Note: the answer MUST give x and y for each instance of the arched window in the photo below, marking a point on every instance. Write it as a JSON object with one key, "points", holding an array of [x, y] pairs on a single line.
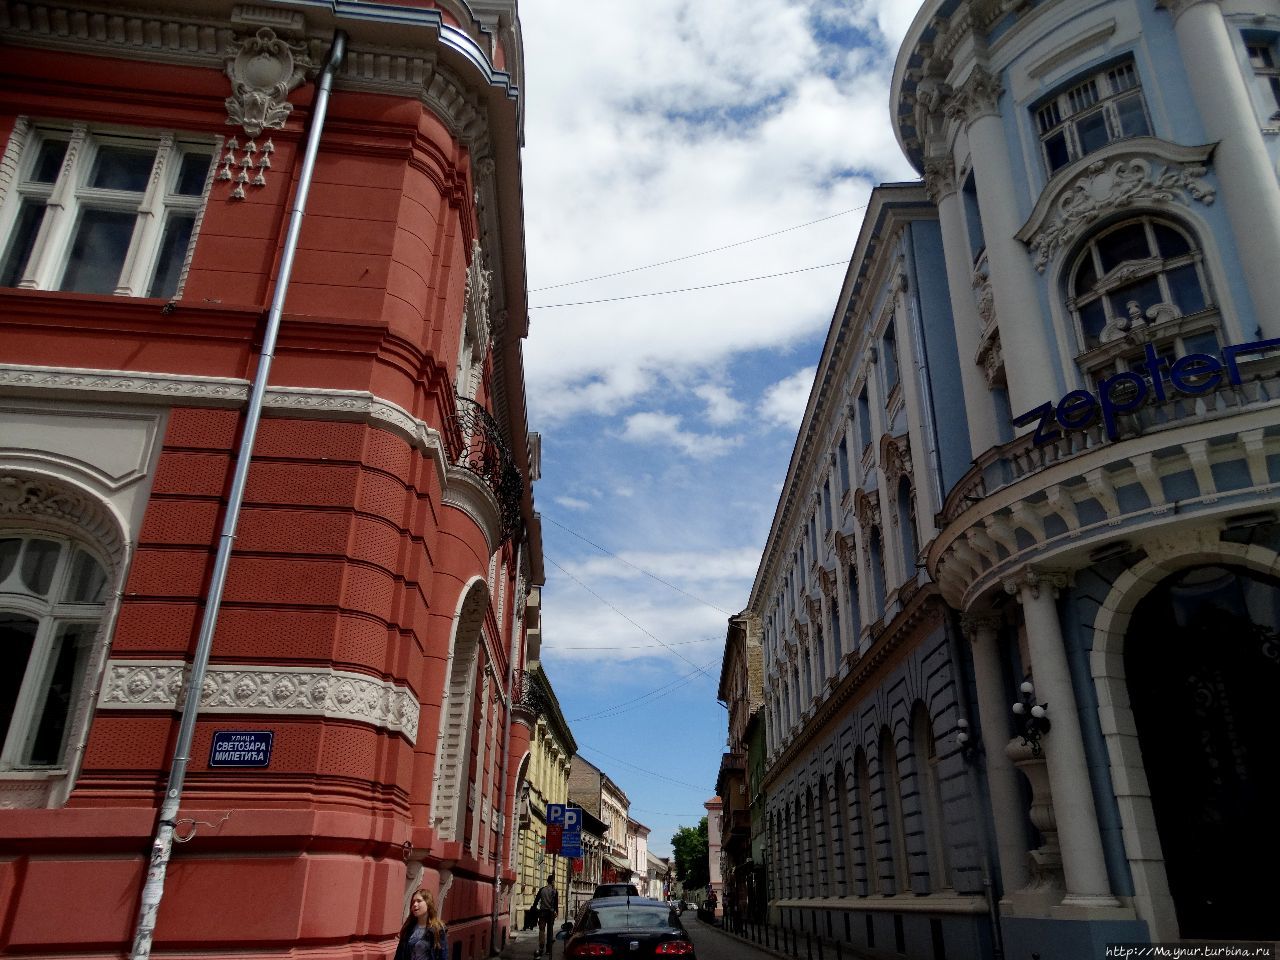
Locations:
{"points": [[866, 827], [891, 783], [52, 594], [855, 606], [455, 747], [875, 551], [840, 865], [907, 526], [822, 825], [1144, 274], [929, 784]]}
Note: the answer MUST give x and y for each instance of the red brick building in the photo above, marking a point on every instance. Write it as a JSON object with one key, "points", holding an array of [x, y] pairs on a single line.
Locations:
{"points": [[374, 612]]}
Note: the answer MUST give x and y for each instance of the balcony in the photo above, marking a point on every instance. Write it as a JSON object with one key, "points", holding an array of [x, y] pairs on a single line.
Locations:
{"points": [[484, 452], [1025, 502]]}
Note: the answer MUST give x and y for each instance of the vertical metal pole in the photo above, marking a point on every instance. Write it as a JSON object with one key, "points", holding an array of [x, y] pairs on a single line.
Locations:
{"points": [[162, 842]]}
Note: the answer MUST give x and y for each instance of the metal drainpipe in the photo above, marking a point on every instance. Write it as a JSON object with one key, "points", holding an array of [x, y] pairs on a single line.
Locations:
{"points": [[925, 381], [162, 842], [506, 758], [985, 840]]}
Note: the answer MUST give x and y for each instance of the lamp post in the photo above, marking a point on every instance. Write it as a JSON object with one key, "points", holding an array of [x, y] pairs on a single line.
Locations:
{"points": [[1032, 718]]}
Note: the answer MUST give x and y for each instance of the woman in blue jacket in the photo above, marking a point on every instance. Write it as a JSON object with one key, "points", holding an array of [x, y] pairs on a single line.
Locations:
{"points": [[423, 936]]}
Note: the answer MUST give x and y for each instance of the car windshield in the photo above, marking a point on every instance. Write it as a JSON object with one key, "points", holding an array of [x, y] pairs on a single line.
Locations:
{"points": [[623, 917]]}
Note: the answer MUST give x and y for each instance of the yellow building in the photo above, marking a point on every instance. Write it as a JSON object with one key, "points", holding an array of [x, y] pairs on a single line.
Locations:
{"points": [[544, 779]]}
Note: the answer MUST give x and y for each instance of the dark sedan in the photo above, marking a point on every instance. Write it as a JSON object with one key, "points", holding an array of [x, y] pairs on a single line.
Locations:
{"points": [[628, 927]]}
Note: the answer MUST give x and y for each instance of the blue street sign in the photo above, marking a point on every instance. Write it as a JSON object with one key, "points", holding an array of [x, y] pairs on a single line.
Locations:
{"points": [[241, 748], [568, 849], [555, 814], [572, 817]]}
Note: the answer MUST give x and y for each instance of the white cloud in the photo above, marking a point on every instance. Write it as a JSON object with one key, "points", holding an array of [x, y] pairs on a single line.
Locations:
{"points": [[671, 127], [572, 503], [783, 403], [722, 408], [655, 428]]}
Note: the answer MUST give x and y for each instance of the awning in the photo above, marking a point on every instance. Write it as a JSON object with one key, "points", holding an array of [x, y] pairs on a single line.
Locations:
{"points": [[618, 863]]}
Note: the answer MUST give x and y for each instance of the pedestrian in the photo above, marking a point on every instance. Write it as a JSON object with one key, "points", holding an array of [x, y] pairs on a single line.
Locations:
{"points": [[547, 905], [423, 936]]}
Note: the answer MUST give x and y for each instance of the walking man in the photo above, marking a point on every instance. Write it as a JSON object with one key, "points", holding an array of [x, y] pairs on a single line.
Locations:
{"points": [[547, 905]]}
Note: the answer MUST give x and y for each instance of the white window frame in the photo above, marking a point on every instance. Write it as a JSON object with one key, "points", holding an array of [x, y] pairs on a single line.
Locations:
{"points": [[1264, 60], [70, 195], [1104, 359], [50, 614], [1098, 92]]}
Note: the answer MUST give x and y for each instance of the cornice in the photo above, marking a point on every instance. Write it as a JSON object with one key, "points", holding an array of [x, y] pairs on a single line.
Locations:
{"points": [[264, 691], [184, 390]]}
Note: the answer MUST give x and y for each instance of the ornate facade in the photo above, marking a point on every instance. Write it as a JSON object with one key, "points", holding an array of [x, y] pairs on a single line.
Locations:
{"points": [[374, 616], [1020, 600]]}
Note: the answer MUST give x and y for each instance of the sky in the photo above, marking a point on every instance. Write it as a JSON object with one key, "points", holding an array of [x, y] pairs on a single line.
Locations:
{"points": [[655, 132]]}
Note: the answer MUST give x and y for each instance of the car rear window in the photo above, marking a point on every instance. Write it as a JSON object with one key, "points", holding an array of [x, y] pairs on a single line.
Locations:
{"points": [[623, 917]]}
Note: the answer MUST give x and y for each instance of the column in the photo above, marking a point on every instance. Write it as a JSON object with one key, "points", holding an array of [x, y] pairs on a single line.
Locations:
{"points": [[1246, 177], [1002, 778], [1084, 869], [1025, 337], [980, 406]]}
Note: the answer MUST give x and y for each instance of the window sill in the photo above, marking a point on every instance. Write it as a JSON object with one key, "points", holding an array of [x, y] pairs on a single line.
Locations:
{"points": [[1103, 357]]}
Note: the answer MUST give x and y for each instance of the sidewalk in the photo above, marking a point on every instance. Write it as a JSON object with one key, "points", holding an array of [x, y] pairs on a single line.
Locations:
{"points": [[523, 945]]}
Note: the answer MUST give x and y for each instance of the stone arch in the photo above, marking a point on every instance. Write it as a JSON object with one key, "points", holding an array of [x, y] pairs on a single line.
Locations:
{"points": [[1106, 661], [891, 784], [924, 755], [454, 746]]}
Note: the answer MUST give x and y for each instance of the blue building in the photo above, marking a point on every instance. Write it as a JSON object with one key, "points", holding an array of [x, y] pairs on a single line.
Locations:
{"points": [[1019, 605]]}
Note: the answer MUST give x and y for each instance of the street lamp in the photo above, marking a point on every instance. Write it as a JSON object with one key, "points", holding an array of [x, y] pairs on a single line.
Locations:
{"points": [[1032, 718]]}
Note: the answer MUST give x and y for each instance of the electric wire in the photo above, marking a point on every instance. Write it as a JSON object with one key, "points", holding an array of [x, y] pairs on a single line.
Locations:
{"points": [[705, 286], [635, 703], [638, 646], [700, 253], [651, 636], [651, 773], [633, 566]]}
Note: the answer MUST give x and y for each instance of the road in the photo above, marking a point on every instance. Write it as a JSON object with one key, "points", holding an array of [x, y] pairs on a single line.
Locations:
{"points": [[714, 945]]}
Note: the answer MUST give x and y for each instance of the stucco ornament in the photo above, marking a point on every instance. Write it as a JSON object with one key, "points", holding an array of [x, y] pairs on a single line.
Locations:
{"points": [[1110, 185], [263, 69]]}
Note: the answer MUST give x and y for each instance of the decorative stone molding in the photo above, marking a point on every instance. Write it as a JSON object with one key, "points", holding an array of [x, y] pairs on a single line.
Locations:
{"points": [[990, 358], [939, 177], [1178, 7], [24, 497], [866, 507], [973, 625], [13, 151], [469, 493], [1140, 171], [846, 549], [124, 385], [1032, 580], [270, 691], [977, 97], [983, 297], [895, 458], [263, 69]]}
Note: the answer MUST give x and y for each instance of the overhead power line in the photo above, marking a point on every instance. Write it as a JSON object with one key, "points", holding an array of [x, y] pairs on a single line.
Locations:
{"points": [[705, 286], [651, 636], [651, 773], [638, 646], [635, 703], [633, 566], [700, 253]]}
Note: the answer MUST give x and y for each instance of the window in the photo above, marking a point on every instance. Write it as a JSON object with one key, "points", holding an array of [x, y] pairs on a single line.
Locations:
{"points": [[99, 212], [973, 218], [864, 420], [890, 360], [826, 506], [1107, 106], [1140, 275], [1262, 58], [52, 593], [855, 605], [907, 526], [842, 466]]}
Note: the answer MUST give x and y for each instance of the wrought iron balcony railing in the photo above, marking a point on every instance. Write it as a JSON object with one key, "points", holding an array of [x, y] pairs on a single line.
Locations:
{"points": [[486, 454]]}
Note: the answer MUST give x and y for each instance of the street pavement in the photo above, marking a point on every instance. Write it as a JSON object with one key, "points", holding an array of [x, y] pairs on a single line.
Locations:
{"points": [[710, 942]]}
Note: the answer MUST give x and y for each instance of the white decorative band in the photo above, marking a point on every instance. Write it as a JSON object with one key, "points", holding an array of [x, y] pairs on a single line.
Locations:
{"points": [[178, 390], [273, 691]]}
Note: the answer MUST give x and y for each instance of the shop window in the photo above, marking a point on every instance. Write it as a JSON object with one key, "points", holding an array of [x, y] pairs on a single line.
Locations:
{"points": [[1140, 281], [1104, 107], [99, 212], [52, 593], [1265, 63]]}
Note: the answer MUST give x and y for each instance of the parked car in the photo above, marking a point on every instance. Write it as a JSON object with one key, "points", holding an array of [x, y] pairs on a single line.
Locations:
{"points": [[633, 927], [615, 890]]}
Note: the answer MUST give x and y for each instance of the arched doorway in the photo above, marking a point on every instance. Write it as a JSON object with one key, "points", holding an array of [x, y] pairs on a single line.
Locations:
{"points": [[1202, 657]]}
